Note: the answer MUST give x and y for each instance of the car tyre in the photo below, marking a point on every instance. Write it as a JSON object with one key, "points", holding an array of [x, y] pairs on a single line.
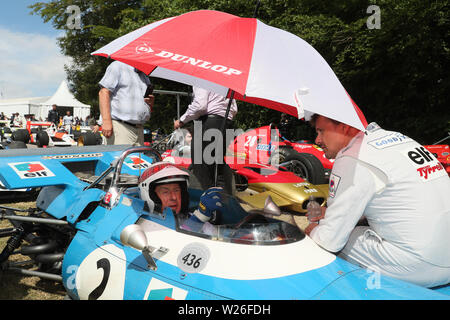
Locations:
{"points": [[304, 165], [42, 139], [89, 139], [14, 145], [21, 135]]}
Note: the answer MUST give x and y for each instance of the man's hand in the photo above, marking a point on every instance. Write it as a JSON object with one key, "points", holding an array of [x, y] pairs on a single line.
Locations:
{"points": [[104, 98], [315, 221], [310, 228], [210, 201], [107, 128], [150, 100], [177, 124]]}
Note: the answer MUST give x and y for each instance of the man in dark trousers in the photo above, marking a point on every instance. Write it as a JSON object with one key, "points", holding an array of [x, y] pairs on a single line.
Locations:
{"points": [[53, 115], [209, 108]]}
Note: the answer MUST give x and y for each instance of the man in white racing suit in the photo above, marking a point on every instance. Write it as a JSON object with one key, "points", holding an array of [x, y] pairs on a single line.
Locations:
{"points": [[402, 191]]}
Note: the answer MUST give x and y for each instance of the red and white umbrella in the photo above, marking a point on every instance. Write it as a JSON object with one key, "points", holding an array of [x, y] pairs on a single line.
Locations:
{"points": [[225, 53]]}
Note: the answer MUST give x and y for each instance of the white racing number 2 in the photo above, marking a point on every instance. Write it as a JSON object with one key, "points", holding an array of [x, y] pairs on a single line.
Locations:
{"points": [[193, 258]]}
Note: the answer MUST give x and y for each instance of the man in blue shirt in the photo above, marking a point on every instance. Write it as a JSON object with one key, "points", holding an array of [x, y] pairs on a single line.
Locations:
{"points": [[123, 107]]}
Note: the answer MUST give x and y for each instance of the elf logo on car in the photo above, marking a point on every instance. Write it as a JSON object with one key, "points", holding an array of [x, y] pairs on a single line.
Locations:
{"points": [[427, 166], [160, 290], [30, 170], [136, 163], [145, 49]]}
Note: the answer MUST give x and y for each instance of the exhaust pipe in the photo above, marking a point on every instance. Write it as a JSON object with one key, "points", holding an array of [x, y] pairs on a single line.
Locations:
{"points": [[38, 249], [49, 257]]}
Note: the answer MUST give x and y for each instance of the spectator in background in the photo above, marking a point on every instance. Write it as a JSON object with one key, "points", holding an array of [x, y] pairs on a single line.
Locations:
{"points": [[123, 107], [68, 122], [286, 126], [53, 115], [11, 120], [209, 108], [18, 120]]}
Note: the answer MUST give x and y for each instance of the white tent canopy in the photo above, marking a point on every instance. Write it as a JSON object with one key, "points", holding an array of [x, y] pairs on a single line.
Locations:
{"points": [[21, 105], [64, 98], [40, 106]]}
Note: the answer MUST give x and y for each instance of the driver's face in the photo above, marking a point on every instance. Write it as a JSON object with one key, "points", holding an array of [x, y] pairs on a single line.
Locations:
{"points": [[330, 136], [170, 196]]}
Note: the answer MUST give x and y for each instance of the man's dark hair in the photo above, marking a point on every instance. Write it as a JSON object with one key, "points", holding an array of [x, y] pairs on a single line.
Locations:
{"points": [[314, 117]]}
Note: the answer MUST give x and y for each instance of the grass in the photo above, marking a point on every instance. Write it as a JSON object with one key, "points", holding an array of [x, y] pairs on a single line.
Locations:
{"points": [[20, 287]]}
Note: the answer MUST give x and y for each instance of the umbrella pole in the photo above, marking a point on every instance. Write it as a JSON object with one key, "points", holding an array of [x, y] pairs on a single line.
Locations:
{"points": [[255, 13], [224, 123]]}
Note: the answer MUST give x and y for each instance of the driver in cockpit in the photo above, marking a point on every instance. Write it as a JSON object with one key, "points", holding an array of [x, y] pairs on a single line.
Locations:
{"points": [[164, 185]]}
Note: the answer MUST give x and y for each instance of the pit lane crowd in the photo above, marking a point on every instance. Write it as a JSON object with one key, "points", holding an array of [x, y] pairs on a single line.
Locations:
{"points": [[19, 121]]}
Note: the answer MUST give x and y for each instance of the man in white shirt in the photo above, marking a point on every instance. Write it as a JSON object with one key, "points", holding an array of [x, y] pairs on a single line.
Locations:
{"points": [[209, 108], [68, 122], [402, 191], [123, 107]]}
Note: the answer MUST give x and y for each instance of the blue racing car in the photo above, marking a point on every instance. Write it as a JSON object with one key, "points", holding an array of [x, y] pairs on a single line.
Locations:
{"points": [[92, 231]]}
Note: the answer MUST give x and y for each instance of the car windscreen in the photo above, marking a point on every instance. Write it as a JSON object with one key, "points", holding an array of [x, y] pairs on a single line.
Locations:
{"points": [[271, 232], [236, 225]]}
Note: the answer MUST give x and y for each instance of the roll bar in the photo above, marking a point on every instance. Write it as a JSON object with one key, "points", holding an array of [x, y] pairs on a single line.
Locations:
{"points": [[116, 165]]}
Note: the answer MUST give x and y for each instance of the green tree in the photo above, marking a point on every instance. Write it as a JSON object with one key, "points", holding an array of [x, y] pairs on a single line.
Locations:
{"points": [[397, 74]]}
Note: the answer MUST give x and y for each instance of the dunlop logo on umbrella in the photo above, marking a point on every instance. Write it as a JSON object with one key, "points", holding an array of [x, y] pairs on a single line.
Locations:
{"points": [[145, 48]]}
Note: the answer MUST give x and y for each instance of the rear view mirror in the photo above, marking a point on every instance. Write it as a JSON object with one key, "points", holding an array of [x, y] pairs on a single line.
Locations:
{"points": [[270, 208], [134, 236]]}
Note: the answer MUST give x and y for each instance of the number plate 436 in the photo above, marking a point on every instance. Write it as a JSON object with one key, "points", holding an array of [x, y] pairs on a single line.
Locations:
{"points": [[193, 258]]}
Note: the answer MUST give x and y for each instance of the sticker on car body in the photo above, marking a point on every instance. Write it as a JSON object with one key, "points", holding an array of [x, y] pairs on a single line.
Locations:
{"points": [[193, 258], [31, 170], [160, 290], [73, 156], [136, 163]]}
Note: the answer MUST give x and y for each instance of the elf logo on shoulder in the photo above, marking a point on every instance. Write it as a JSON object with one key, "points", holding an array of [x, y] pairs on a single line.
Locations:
{"points": [[31, 170], [427, 166]]}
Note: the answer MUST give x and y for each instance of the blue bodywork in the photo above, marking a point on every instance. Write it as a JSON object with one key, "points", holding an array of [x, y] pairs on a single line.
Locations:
{"points": [[97, 265]]}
